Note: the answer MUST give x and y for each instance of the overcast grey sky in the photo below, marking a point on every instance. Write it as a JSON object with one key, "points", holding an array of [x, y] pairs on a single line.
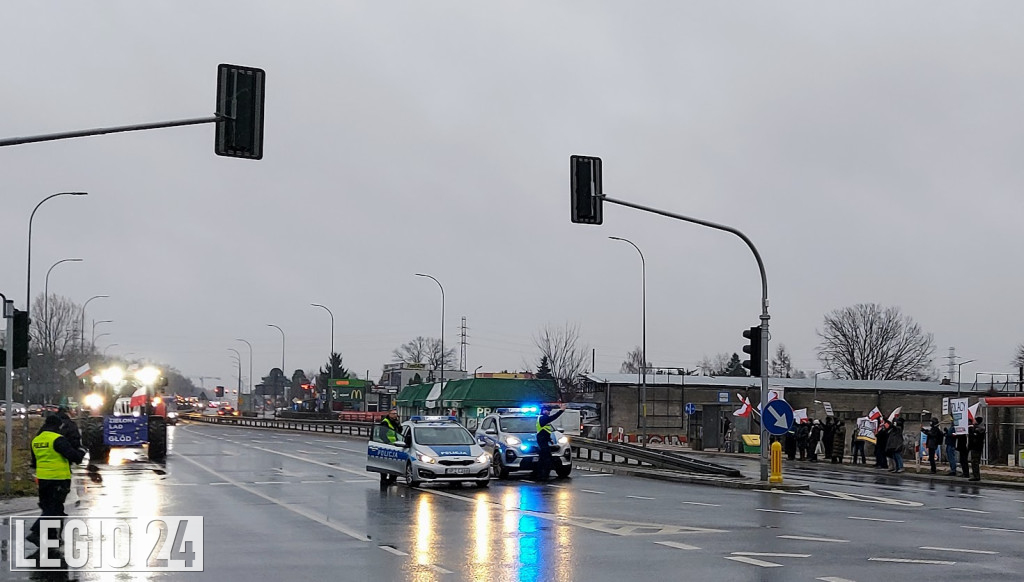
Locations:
{"points": [[872, 151]]}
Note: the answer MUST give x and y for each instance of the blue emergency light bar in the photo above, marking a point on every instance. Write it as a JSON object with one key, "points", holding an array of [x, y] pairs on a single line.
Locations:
{"points": [[522, 409], [433, 418]]}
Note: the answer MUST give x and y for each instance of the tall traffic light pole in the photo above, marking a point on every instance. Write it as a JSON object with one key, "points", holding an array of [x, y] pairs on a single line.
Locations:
{"points": [[8, 313], [586, 202]]}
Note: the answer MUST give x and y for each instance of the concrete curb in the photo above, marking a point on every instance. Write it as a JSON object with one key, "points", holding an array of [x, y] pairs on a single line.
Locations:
{"points": [[677, 477], [940, 477]]}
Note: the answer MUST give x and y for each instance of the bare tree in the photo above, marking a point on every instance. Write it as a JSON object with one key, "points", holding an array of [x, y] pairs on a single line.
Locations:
{"points": [[869, 342], [55, 348], [633, 362], [424, 350], [434, 355], [415, 351], [782, 363], [1018, 358], [716, 365], [565, 353]]}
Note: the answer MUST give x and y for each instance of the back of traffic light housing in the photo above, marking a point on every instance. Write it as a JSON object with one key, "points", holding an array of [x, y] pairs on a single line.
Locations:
{"points": [[585, 190], [21, 322], [753, 335]]}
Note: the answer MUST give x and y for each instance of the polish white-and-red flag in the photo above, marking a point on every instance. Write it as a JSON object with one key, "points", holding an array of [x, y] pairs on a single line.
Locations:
{"points": [[745, 409], [875, 413], [138, 397], [972, 411], [895, 414]]}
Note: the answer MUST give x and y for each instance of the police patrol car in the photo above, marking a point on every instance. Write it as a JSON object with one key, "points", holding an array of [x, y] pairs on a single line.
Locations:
{"points": [[429, 449], [509, 436]]}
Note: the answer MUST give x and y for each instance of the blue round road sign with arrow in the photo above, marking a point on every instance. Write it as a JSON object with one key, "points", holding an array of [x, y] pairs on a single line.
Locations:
{"points": [[777, 417], [690, 408]]}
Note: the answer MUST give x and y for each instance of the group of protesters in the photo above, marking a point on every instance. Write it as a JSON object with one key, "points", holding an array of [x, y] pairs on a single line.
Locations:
{"points": [[811, 439]]}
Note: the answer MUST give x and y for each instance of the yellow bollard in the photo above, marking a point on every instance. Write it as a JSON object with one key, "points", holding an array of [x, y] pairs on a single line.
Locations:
{"points": [[775, 473]]}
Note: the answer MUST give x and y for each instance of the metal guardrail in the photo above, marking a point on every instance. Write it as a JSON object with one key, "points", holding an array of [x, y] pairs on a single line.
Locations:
{"points": [[351, 428], [584, 448]]}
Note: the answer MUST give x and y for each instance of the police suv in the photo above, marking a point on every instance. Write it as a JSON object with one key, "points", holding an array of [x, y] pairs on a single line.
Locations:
{"points": [[434, 449], [509, 436]]}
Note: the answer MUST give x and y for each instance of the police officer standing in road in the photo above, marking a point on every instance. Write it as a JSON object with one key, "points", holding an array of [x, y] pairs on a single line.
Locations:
{"points": [[544, 432], [52, 456], [390, 424]]}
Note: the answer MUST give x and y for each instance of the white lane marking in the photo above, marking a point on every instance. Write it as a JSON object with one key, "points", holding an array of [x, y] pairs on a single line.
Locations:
{"points": [[814, 539], [876, 519], [438, 569], [771, 555], [555, 486], [966, 551], [298, 458], [528, 481], [322, 481], [992, 529], [847, 497], [342, 449], [360, 480], [968, 510], [909, 561], [753, 562], [592, 491], [777, 511], [702, 504], [678, 545], [220, 483], [833, 579], [289, 506], [392, 550], [270, 482], [595, 475], [640, 497]]}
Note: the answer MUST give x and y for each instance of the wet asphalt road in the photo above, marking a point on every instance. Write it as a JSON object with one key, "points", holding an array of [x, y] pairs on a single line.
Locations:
{"points": [[282, 505]]}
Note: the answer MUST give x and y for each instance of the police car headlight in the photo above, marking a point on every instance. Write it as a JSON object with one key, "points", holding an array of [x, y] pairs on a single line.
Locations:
{"points": [[482, 458], [563, 440], [427, 459], [512, 441]]}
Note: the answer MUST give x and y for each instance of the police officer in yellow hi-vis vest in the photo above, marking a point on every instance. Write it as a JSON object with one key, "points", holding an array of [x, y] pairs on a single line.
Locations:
{"points": [[544, 431], [52, 455], [389, 426]]}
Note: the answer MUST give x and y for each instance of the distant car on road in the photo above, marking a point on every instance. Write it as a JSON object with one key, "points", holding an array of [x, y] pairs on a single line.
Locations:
{"points": [[226, 411], [509, 436], [36, 409], [18, 410], [433, 449]]}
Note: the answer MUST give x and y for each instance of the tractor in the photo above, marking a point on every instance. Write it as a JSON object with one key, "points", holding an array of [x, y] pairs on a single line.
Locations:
{"points": [[124, 409]]}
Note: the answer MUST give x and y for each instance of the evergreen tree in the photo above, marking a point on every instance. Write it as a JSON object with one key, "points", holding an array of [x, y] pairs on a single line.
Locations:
{"points": [[544, 370], [735, 366]]}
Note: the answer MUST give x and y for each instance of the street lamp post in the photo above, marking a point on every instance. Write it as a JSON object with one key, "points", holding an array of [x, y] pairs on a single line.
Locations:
{"points": [[477, 370], [94, 324], [238, 339], [958, 376], [239, 388], [643, 349], [81, 344], [816, 383], [28, 276], [46, 291], [107, 348], [330, 393], [282, 364], [442, 320]]}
